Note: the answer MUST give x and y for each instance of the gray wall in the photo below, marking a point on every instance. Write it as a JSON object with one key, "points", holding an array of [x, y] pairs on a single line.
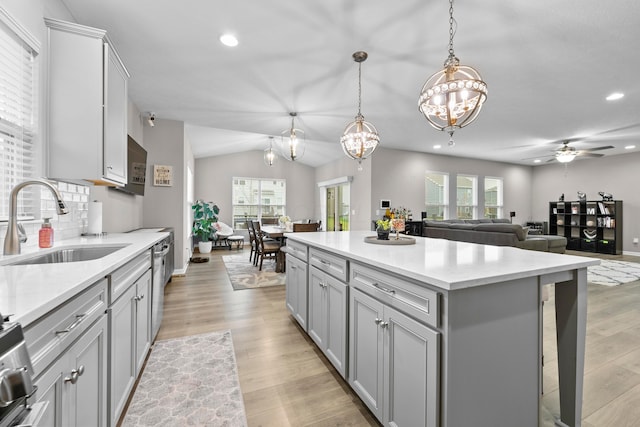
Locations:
{"points": [[618, 175], [213, 177], [398, 176]]}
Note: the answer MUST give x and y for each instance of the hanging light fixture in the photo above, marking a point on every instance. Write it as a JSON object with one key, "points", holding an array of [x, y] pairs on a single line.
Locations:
{"points": [[452, 98], [566, 154], [269, 154], [292, 141], [359, 139]]}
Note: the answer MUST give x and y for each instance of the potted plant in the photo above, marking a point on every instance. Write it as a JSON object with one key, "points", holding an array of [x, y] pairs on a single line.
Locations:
{"points": [[205, 214], [383, 228]]}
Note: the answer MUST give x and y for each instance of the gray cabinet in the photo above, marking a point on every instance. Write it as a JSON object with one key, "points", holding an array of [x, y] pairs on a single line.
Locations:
{"points": [[328, 316], [129, 339], [87, 106], [75, 385], [296, 289], [394, 363]]}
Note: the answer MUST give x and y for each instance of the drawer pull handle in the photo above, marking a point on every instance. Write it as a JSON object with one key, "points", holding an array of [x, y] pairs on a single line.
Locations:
{"points": [[293, 267], [79, 319], [139, 297], [325, 262], [383, 289], [322, 285]]}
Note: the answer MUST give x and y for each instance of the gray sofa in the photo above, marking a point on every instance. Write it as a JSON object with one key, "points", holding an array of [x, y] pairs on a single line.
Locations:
{"points": [[497, 232]]}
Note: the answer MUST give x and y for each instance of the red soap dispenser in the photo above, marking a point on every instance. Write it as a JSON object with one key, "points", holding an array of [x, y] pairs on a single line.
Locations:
{"points": [[45, 236]]}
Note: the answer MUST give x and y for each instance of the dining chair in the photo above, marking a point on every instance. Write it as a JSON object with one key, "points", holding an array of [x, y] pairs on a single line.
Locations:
{"points": [[313, 226], [266, 248], [252, 240]]}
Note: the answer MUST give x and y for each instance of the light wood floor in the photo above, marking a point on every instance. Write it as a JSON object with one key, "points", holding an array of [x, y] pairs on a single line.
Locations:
{"points": [[286, 381]]}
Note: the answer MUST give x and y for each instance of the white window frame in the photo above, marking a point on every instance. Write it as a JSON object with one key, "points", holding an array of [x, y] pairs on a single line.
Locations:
{"points": [[444, 205], [237, 222], [473, 206], [499, 205], [19, 145]]}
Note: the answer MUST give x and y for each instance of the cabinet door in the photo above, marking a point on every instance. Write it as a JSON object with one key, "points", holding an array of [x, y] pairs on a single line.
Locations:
{"points": [[296, 283], [50, 386], [336, 323], [122, 315], [366, 350], [317, 327], [143, 318], [88, 396], [411, 372], [115, 118]]}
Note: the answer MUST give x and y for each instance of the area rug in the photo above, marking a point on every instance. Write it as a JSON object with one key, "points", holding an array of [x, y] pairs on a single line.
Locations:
{"points": [[244, 275], [189, 381], [613, 273]]}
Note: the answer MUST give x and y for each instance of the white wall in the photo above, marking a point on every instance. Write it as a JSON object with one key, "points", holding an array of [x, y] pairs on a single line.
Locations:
{"points": [[213, 178], [399, 176], [617, 175]]}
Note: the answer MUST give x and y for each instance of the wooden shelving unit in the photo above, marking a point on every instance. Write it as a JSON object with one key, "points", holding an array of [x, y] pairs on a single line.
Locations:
{"points": [[592, 226]]}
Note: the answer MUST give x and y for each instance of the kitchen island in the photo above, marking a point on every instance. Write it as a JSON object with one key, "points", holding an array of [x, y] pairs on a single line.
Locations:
{"points": [[440, 333]]}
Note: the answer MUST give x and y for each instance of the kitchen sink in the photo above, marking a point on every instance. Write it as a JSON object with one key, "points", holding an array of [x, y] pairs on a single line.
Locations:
{"points": [[83, 253]]}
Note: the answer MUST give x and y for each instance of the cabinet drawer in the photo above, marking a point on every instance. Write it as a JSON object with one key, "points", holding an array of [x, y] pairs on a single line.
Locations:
{"points": [[50, 335], [417, 301], [335, 266], [297, 250], [126, 275]]}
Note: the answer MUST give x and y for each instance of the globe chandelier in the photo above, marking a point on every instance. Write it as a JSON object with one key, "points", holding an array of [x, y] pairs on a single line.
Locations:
{"points": [[452, 98], [292, 141], [269, 154], [359, 139]]}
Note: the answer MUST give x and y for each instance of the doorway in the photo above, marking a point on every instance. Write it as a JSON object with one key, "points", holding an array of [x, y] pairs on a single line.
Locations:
{"points": [[335, 203]]}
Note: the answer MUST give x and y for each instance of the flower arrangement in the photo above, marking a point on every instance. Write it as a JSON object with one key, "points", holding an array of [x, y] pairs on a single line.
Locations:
{"points": [[383, 224], [283, 219]]}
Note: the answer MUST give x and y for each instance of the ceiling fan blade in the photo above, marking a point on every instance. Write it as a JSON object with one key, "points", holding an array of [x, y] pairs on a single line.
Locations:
{"points": [[588, 154], [551, 160], [606, 147]]}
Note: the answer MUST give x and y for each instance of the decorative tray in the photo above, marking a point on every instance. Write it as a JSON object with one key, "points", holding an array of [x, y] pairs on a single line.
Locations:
{"points": [[402, 240]]}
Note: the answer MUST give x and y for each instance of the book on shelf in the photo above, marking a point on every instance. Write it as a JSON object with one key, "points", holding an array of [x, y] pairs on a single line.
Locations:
{"points": [[601, 208]]}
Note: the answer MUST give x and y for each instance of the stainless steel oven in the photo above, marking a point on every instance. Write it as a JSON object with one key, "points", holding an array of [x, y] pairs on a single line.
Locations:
{"points": [[16, 385]]}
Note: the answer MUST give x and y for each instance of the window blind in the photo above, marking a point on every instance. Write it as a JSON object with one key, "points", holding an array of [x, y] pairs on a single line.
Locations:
{"points": [[18, 101]]}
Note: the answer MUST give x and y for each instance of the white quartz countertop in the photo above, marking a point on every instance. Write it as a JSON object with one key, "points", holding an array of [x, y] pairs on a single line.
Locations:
{"points": [[29, 291], [447, 264]]}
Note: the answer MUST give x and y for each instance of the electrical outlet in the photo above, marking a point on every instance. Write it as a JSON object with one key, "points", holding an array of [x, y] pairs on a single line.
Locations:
{"points": [[635, 240]]}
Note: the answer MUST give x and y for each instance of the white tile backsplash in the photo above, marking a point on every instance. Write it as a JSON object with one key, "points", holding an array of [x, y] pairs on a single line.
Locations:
{"points": [[64, 226]]}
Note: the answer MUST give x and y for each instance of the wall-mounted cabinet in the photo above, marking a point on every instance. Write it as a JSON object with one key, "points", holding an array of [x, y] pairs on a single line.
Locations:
{"points": [[86, 106], [592, 226]]}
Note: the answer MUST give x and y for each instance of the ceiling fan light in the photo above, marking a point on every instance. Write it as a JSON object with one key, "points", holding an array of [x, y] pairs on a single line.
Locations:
{"points": [[566, 156]]}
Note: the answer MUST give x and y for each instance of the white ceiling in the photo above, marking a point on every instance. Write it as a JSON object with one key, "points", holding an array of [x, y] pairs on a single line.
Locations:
{"points": [[549, 66]]}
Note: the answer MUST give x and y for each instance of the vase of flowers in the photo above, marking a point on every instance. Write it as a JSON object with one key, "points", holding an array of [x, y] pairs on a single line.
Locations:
{"points": [[283, 220], [383, 228], [398, 217]]}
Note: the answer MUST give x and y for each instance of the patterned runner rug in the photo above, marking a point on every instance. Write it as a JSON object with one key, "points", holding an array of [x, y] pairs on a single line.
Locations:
{"points": [[189, 381], [244, 275], [613, 273]]}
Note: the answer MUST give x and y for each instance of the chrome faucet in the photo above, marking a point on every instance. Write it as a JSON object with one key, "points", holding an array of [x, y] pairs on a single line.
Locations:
{"points": [[13, 238]]}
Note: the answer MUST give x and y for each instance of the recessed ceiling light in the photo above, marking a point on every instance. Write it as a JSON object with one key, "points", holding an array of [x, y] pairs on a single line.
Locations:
{"points": [[437, 147], [537, 161], [615, 96], [229, 40], [629, 147]]}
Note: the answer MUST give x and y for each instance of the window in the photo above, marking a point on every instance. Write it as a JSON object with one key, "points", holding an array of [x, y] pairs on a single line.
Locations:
{"points": [[437, 195], [18, 105], [466, 196], [493, 198], [264, 200]]}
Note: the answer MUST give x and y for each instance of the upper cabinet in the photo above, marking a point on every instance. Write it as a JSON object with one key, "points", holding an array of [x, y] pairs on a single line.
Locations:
{"points": [[86, 106]]}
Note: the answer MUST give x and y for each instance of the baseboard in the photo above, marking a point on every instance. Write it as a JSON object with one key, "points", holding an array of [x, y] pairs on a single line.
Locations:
{"points": [[631, 253]]}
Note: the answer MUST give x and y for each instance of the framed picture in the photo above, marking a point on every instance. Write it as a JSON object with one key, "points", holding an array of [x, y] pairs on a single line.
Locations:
{"points": [[162, 176]]}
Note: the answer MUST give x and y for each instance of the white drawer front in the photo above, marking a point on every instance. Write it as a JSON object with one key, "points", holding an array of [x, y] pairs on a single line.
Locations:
{"points": [[415, 300], [126, 275], [331, 264], [50, 335], [297, 250]]}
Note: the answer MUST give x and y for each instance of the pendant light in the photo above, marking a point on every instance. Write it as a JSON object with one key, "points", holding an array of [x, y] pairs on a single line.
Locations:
{"points": [[452, 98], [292, 141], [269, 154], [359, 139]]}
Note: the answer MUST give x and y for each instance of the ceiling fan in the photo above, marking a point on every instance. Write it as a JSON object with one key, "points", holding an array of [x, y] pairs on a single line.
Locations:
{"points": [[566, 153]]}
